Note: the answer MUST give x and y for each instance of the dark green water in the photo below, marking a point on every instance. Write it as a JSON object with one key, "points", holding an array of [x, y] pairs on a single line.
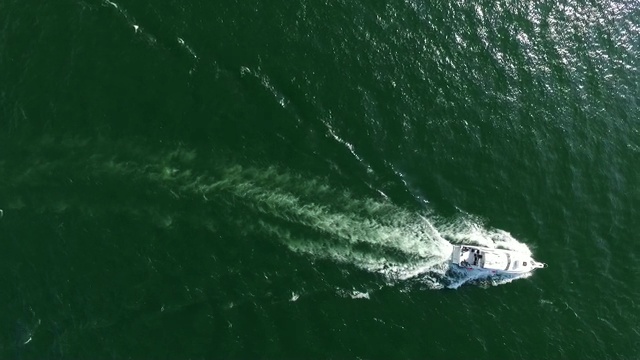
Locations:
{"points": [[240, 179]]}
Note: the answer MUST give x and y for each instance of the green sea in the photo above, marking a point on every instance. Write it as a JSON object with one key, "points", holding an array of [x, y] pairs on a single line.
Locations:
{"points": [[285, 179]]}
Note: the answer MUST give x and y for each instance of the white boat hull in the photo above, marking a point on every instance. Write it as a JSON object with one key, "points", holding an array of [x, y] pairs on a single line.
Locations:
{"points": [[496, 261]]}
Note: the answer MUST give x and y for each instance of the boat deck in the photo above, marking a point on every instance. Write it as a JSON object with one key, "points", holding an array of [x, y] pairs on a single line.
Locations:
{"points": [[470, 256]]}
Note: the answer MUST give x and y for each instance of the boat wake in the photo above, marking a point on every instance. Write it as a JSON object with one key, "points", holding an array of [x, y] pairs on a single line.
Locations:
{"points": [[311, 218], [307, 216]]}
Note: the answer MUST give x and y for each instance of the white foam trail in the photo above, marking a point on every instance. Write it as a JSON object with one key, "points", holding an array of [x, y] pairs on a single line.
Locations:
{"points": [[373, 235], [370, 259], [345, 223]]}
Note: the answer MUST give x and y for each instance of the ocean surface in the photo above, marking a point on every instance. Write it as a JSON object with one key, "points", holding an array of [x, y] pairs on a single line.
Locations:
{"points": [[285, 179]]}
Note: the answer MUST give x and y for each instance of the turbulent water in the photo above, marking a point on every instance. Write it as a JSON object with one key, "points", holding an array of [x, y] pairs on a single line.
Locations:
{"points": [[257, 180]]}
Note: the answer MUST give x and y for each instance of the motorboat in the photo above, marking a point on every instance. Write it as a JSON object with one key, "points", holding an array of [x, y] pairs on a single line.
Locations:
{"points": [[496, 261]]}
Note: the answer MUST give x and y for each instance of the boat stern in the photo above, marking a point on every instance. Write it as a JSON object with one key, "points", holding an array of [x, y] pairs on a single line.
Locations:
{"points": [[455, 255]]}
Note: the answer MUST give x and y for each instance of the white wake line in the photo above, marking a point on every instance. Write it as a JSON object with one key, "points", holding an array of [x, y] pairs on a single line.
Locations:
{"points": [[343, 142], [267, 84], [140, 30], [348, 146]]}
